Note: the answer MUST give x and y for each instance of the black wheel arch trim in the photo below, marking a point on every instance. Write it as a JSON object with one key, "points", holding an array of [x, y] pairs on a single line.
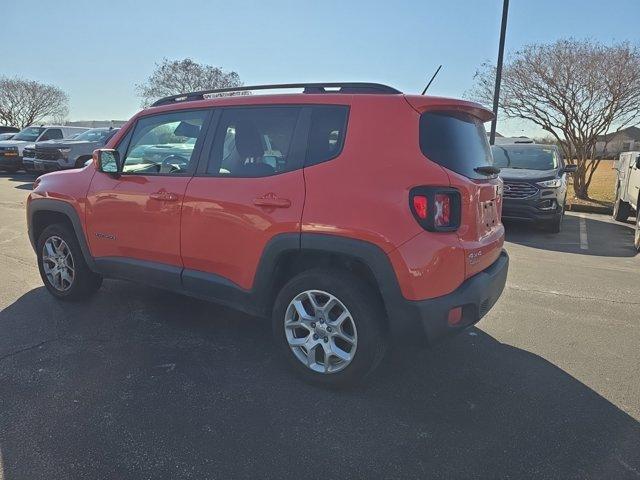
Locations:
{"points": [[65, 208]]}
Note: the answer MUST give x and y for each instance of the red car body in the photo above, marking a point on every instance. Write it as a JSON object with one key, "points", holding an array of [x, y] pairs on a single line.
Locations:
{"points": [[200, 225]]}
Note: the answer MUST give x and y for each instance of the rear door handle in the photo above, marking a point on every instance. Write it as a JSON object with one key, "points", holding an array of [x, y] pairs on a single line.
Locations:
{"points": [[272, 200], [164, 196]]}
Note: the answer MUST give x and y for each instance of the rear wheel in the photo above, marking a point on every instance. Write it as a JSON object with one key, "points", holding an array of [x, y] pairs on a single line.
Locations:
{"points": [[621, 210], [329, 327], [62, 266]]}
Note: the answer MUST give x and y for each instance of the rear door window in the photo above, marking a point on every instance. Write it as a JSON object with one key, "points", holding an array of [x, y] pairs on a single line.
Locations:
{"points": [[326, 133], [455, 140]]}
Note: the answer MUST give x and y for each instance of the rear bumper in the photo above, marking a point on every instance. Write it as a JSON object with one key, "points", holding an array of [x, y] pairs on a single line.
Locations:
{"points": [[428, 319]]}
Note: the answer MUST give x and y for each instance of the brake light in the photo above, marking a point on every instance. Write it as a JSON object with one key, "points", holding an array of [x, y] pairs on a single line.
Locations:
{"points": [[436, 209], [420, 206]]}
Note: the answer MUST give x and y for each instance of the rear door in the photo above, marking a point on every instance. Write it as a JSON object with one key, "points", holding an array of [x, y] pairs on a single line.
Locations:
{"points": [[457, 141], [133, 219], [248, 190]]}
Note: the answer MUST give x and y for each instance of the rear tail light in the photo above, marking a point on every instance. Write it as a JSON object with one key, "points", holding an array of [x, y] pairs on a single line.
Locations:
{"points": [[420, 204], [436, 209]]}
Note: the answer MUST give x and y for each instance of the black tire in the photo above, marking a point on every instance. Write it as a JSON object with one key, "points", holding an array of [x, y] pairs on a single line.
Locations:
{"points": [[367, 313], [80, 162], [621, 210], [555, 225], [85, 282]]}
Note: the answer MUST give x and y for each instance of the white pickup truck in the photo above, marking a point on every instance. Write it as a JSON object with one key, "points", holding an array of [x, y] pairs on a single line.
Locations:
{"points": [[628, 191]]}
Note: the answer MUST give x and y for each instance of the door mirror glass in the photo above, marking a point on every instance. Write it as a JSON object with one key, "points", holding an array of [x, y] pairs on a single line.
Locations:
{"points": [[570, 168], [108, 161], [638, 162]]}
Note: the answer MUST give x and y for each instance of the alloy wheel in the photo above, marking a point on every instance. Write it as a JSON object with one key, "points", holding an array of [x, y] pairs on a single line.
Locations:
{"points": [[58, 264], [320, 331]]}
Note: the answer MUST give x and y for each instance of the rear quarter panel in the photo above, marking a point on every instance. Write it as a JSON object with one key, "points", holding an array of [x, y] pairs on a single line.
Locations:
{"points": [[364, 192]]}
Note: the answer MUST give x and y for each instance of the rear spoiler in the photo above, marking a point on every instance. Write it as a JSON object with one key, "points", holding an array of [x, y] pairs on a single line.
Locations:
{"points": [[423, 103]]}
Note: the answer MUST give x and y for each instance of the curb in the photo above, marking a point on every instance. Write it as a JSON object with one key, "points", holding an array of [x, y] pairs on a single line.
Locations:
{"points": [[590, 209]]}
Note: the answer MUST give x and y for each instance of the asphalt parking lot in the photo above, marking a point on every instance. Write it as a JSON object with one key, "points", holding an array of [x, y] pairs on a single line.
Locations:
{"points": [[140, 383]]}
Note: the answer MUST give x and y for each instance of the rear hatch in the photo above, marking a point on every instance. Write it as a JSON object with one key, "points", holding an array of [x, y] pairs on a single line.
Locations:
{"points": [[453, 136]]}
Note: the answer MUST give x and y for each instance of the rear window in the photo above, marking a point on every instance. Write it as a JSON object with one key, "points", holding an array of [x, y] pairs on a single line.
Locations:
{"points": [[456, 141], [326, 135]]}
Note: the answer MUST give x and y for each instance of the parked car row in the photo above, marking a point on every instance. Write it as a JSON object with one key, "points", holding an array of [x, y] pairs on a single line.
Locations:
{"points": [[46, 148]]}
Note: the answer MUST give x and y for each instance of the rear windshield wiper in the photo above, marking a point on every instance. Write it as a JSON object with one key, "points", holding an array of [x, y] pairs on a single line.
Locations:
{"points": [[487, 170]]}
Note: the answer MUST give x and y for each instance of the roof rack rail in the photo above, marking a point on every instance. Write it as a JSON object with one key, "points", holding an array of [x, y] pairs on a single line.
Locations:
{"points": [[342, 87]]}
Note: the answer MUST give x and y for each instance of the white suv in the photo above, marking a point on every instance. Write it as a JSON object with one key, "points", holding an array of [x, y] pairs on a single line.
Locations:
{"points": [[628, 190]]}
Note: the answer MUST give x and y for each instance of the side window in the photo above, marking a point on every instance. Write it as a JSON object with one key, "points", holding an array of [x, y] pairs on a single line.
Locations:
{"points": [[164, 143], [254, 142], [51, 134], [326, 134]]}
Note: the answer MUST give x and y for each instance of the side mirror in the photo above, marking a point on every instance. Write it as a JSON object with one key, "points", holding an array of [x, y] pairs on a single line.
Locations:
{"points": [[107, 161], [570, 168], [638, 162]]}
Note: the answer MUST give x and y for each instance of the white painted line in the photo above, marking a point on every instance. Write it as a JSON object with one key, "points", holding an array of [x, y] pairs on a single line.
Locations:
{"points": [[584, 241]]}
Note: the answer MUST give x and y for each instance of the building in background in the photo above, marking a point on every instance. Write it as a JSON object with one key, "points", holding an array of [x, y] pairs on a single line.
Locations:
{"points": [[612, 144]]}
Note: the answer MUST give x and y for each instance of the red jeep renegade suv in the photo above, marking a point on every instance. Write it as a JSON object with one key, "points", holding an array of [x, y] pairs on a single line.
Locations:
{"points": [[349, 214]]}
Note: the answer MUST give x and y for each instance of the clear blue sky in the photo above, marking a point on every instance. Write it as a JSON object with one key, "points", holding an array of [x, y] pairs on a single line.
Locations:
{"points": [[98, 50]]}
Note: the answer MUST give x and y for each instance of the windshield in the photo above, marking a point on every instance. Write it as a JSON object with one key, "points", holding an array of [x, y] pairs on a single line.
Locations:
{"points": [[94, 135], [29, 134], [529, 158]]}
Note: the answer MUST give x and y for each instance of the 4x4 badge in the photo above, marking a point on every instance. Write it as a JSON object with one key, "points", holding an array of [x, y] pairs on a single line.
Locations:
{"points": [[107, 236]]}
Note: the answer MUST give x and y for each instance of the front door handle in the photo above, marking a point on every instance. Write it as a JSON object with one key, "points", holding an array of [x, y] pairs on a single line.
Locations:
{"points": [[164, 196], [272, 200]]}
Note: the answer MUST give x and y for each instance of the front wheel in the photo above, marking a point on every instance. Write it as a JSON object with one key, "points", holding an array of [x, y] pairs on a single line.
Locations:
{"points": [[62, 265], [330, 327]]}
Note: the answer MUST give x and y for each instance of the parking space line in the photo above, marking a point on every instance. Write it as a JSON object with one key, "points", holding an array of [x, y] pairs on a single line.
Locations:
{"points": [[584, 241]]}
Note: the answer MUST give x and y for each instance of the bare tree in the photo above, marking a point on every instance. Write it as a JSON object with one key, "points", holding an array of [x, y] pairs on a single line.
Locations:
{"points": [[575, 90], [24, 102], [171, 77]]}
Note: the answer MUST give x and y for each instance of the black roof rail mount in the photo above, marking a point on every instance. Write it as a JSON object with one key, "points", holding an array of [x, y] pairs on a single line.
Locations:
{"points": [[336, 87]]}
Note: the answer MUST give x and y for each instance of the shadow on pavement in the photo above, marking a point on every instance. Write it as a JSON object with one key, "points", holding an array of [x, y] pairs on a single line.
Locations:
{"points": [[25, 179], [603, 237], [141, 383]]}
